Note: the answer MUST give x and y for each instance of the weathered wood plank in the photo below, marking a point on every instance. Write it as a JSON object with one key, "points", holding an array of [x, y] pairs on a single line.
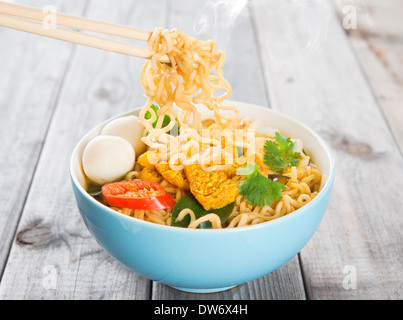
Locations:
{"points": [[313, 75], [54, 256], [377, 38], [31, 75]]}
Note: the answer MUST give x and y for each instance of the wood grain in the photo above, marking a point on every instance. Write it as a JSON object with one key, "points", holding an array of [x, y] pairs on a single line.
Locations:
{"points": [[294, 57], [51, 234], [378, 43], [313, 75], [93, 92], [29, 89]]}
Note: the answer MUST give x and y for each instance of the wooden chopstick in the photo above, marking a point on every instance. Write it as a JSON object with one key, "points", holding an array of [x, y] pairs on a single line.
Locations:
{"points": [[75, 22], [74, 37], [15, 17]]}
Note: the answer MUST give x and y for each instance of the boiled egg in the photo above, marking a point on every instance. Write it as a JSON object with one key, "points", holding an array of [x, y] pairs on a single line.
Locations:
{"points": [[107, 158]]}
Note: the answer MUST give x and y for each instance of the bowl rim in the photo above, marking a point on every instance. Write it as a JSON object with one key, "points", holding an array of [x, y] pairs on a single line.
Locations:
{"points": [[325, 188]]}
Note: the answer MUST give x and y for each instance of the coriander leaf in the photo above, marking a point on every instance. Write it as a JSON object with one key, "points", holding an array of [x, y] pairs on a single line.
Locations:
{"points": [[258, 189], [279, 155]]}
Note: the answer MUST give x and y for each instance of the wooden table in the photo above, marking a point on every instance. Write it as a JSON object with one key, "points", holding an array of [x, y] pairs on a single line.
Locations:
{"points": [[312, 60]]}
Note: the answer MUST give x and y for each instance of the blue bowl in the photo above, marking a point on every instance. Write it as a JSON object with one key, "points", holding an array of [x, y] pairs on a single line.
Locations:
{"points": [[206, 260]]}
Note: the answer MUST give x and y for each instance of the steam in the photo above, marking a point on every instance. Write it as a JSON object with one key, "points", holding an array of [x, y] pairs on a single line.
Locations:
{"points": [[281, 41], [216, 20]]}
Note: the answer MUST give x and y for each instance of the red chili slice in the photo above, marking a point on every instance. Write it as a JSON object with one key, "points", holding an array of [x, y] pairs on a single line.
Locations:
{"points": [[137, 194]]}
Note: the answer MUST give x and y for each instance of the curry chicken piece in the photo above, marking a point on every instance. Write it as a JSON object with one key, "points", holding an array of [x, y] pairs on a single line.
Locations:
{"points": [[213, 189], [175, 177], [152, 169], [148, 174], [148, 159]]}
